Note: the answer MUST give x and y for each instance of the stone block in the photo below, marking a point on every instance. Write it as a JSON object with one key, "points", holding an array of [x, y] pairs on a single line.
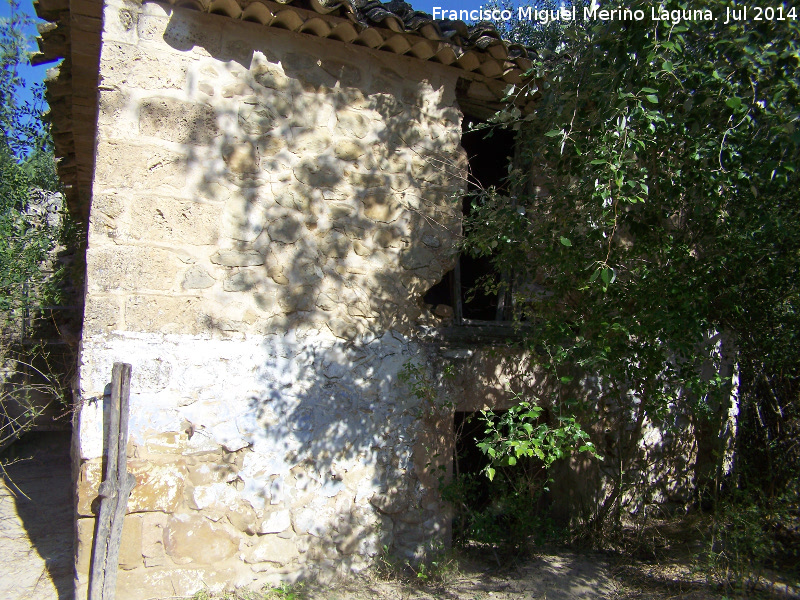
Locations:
{"points": [[293, 199], [380, 206], [362, 181], [389, 237], [272, 549], [130, 550], [417, 257], [243, 518], [171, 221], [343, 329], [311, 142], [277, 275], [362, 249], [84, 539], [163, 314], [241, 158], [125, 66], [131, 268], [101, 314], [153, 525], [391, 502], [256, 120], [192, 538], [178, 121], [139, 167], [318, 174], [158, 487]]}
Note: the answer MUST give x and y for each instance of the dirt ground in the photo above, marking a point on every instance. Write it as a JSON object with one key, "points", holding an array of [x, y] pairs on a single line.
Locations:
{"points": [[36, 520], [550, 574], [36, 556]]}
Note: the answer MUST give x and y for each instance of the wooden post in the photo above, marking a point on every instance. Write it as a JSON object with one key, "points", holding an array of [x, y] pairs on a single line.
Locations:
{"points": [[114, 491]]}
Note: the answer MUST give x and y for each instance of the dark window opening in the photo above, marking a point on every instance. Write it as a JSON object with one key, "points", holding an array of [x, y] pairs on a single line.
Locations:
{"points": [[463, 289]]}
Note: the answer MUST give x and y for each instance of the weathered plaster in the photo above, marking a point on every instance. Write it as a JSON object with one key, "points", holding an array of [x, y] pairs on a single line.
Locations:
{"points": [[268, 210]]}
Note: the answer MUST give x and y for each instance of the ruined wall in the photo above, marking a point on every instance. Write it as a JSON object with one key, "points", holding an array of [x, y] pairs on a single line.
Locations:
{"points": [[268, 209]]}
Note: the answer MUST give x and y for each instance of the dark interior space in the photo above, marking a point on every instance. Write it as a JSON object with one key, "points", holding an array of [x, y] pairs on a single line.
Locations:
{"points": [[489, 152]]}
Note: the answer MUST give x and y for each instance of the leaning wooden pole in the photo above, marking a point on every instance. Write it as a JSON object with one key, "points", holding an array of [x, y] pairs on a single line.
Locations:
{"points": [[114, 491]]}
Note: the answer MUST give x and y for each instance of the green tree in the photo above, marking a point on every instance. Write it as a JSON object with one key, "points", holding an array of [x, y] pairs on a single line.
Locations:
{"points": [[26, 163], [651, 228]]}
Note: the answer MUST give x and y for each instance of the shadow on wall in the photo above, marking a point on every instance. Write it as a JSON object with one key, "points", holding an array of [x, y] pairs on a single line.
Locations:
{"points": [[294, 210]]}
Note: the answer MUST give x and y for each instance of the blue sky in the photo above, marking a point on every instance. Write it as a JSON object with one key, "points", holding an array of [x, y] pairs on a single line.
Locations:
{"points": [[30, 74]]}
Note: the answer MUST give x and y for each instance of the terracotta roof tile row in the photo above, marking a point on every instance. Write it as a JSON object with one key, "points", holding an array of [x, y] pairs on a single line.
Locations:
{"points": [[392, 26]]}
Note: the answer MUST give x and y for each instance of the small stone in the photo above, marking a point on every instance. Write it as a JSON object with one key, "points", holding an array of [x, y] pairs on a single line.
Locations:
{"points": [[286, 230], [343, 329], [361, 249], [197, 278], [276, 274], [234, 258], [444, 311], [276, 522], [416, 258], [240, 282], [334, 245], [348, 150], [390, 502], [431, 241]]}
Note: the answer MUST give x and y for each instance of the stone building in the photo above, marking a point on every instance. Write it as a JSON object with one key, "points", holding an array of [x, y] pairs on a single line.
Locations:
{"points": [[269, 191]]}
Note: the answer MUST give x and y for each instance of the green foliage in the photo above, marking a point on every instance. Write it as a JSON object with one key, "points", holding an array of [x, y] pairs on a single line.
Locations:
{"points": [[285, 591], [519, 433], [747, 537], [437, 567], [26, 162], [508, 516], [650, 226]]}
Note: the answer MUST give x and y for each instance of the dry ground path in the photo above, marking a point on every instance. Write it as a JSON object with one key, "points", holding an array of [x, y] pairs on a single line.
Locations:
{"points": [[36, 532]]}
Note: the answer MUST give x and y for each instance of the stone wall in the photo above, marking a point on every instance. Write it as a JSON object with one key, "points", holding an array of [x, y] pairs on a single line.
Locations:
{"points": [[268, 210]]}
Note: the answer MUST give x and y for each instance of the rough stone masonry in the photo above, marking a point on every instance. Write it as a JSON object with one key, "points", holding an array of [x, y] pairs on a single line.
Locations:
{"points": [[268, 210]]}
